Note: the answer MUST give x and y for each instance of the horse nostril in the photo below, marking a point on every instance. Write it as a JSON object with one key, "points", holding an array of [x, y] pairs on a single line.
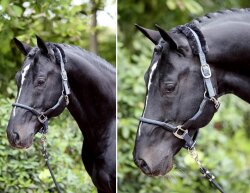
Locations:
{"points": [[17, 137], [144, 166]]}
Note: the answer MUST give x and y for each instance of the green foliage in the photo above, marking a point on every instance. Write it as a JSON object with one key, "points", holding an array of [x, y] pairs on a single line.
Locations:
{"points": [[56, 21], [223, 145]]}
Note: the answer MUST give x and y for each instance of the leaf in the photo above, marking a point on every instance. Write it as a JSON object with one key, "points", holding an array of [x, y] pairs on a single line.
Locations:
{"points": [[4, 4], [17, 10], [193, 7], [44, 174], [171, 4]]}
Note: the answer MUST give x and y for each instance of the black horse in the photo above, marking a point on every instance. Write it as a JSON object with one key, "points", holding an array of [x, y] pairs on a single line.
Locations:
{"points": [[179, 93], [42, 86]]}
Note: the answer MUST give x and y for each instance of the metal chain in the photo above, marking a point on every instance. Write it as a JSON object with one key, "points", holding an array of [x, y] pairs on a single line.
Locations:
{"points": [[194, 154], [43, 143]]}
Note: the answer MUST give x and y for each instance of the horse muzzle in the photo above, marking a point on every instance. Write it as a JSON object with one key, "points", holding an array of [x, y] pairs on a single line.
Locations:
{"points": [[20, 136], [154, 167]]}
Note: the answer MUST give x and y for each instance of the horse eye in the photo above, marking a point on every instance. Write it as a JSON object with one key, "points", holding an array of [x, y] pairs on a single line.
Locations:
{"points": [[168, 88], [40, 82]]}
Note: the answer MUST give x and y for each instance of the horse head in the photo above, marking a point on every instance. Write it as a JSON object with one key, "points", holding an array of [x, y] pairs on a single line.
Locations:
{"points": [[174, 93], [39, 83]]}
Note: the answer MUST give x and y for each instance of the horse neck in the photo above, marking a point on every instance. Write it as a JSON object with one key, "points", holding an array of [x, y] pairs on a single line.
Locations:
{"points": [[229, 49], [92, 98]]}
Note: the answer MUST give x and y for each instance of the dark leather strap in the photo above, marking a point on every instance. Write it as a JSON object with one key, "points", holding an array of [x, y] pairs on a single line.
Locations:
{"points": [[211, 179], [166, 126], [203, 106], [34, 111], [178, 132], [63, 74], [190, 141], [61, 102], [42, 118]]}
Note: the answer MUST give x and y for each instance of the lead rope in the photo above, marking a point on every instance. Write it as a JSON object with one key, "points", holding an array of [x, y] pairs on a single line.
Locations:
{"points": [[205, 172], [46, 158]]}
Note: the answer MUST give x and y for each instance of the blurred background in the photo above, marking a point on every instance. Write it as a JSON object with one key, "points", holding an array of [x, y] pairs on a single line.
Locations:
{"points": [[90, 24], [223, 145]]}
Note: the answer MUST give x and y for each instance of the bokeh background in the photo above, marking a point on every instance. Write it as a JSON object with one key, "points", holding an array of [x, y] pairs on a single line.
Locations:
{"points": [[90, 24], [223, 145]]}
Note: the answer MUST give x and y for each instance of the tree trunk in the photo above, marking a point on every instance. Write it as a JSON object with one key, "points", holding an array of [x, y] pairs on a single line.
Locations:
{"points": [[93, 35]]}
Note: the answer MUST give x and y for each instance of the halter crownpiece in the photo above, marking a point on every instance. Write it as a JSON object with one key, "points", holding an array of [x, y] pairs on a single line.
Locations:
{"points": [[63, 99]]}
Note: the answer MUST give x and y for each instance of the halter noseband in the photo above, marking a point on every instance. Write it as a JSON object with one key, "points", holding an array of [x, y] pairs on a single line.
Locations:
{"points": [[63, 99], [181, 131]]}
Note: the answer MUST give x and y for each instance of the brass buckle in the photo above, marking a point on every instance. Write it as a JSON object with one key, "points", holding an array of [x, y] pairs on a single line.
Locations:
{"points": [[180, 132], [42, 118]]}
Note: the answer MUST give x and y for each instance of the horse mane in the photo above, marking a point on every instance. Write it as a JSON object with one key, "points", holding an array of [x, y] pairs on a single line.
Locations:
{"points": [[215, 15], [189, 35], [93, 58], [196, 23]]}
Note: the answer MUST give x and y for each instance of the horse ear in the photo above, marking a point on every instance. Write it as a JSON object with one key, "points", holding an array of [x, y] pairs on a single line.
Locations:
{"points": [[167, 36], [153, 35], [24, 48], [42, 45]]}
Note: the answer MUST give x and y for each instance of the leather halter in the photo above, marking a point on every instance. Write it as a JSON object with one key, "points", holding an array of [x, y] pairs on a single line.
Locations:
{"points": [[62, 101], [181, 131]]}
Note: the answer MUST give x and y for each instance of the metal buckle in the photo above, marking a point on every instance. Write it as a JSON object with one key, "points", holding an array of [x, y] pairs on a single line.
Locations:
{"points": [[66, 97], [205, 71], [42, 118], [179, 132], [64, 75], [216, 103]]}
